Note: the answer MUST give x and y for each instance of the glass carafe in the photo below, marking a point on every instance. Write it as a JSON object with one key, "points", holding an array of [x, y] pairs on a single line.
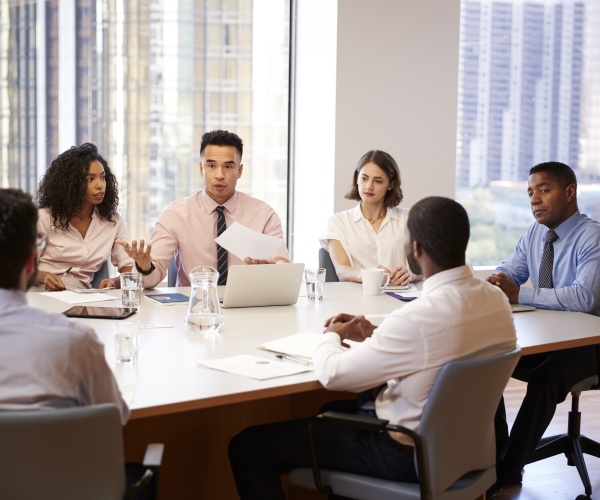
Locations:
{"points": [[204, 310]]}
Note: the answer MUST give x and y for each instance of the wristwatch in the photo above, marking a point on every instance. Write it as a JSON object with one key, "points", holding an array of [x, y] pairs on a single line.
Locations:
{"points": [[145, 273]]}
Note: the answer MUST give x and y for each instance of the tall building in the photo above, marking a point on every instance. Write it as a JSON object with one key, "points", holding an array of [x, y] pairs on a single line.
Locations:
{"points": [[144, 80], [522, 95]]}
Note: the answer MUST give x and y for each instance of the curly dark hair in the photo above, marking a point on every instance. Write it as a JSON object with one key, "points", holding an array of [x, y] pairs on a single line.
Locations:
{"points": [[62, 188], [386, 163]]}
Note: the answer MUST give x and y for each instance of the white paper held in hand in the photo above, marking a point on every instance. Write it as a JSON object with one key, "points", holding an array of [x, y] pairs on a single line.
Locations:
{"points": [[244, 242]]}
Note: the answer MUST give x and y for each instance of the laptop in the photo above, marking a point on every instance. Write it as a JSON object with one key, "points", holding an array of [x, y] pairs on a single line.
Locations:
{"points": [[262, 285], [516, 308]]}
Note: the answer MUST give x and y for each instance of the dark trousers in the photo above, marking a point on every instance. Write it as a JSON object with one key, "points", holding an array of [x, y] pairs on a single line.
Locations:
{"points": [[259, 455], [550, 379]]}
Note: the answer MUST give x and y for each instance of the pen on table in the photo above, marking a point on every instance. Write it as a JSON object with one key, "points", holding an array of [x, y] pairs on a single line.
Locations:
{"points": [[295, 360]]}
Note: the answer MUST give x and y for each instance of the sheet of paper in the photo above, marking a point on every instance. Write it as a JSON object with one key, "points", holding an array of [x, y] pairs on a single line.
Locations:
{"points": [[78, 298], [301, 345], [255, 366], [88, 290], [244, 242]]}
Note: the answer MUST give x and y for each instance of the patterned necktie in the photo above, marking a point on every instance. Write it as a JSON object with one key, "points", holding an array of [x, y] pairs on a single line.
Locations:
{"points": [[547, 263], [221, 252]]}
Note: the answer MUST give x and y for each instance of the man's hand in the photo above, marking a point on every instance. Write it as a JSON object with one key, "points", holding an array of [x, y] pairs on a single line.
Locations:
{"points": [[347, 326], [107, 283], [251, 262], [140, 254], [506, 285]]}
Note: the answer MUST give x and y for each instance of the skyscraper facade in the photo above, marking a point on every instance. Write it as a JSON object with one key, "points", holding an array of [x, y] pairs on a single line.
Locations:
{"points": [[143, 80]]}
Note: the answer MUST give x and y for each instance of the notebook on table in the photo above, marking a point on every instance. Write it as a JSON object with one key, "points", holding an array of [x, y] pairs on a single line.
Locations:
{"points": [[262, 285]]}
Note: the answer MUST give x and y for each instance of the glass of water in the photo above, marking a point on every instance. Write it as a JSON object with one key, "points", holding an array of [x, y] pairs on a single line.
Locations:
{"points": [[315, 282], [131, 290], [127, 341]]}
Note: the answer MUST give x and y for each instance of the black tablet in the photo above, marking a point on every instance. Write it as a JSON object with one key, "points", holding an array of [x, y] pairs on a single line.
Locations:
{"points": [[99, 312]]}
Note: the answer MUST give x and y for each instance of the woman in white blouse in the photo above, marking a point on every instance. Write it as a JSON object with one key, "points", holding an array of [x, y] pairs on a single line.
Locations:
{"points": [[78, 199], [373, 233]]}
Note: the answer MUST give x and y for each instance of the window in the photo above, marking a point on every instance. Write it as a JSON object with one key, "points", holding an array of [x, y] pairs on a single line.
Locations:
{"points": [[529, 92], [143, 80]]}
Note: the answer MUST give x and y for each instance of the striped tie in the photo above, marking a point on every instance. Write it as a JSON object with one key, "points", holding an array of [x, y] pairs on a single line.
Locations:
{"points": [[547, 263], [221, 252]]}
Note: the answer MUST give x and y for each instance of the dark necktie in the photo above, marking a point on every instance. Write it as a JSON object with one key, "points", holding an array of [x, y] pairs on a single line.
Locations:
{"points": [[221, 252], [547, 263]]}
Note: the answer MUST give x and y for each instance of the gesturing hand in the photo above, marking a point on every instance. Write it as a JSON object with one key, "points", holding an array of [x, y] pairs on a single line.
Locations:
{"points": [[140, 254]]}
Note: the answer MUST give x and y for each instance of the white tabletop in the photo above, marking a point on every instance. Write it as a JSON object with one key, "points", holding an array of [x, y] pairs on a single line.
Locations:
{"points": [[167, 377]]}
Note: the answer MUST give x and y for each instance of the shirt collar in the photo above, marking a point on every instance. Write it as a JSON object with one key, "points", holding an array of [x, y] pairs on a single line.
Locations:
{"points": [[444, 277], [565, 228], [211, 205]]}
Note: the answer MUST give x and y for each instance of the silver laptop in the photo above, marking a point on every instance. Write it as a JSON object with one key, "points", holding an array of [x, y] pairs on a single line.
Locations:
{"points": [[262, 285], [517, 308]]}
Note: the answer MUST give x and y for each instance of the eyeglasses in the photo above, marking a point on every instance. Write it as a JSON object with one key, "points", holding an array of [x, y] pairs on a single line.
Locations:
{"points": [[40, 242]]}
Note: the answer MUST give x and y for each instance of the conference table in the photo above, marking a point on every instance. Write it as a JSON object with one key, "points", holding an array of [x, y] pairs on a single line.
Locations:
{"points": [[195, 410]]}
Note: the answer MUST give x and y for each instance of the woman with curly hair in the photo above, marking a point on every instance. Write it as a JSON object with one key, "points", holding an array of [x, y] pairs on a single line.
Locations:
{"points": [[77, 199], [373, 233]]}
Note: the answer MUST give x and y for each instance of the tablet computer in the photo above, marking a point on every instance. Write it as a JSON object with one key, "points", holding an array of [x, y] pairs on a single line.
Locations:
{"points": [[99, 312]]}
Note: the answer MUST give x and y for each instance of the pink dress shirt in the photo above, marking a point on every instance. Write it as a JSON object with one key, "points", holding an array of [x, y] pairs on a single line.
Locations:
{"points": [[187, 229], [86, 255]]}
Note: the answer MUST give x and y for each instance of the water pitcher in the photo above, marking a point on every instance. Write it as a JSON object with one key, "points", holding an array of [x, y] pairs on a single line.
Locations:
{"points": [[204, 311]]}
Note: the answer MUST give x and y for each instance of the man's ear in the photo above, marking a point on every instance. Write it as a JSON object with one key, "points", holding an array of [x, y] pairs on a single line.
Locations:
{"points": [[416, 248], [571, 192]]}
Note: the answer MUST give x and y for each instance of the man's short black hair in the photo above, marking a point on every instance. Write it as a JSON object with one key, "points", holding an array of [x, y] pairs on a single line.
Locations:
{"points": [[557, 171], [441, 226], [222, 138], [18, 221]]}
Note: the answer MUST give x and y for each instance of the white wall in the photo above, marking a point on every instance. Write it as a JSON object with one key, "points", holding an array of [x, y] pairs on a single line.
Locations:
{"points": [[396, 80]]}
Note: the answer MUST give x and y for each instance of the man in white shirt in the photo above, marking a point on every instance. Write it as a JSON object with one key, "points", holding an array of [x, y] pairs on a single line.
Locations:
{"points": [[458, 315], [46, 360]]}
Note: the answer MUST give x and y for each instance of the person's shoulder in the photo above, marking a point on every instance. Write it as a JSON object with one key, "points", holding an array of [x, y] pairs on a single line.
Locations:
{"points": [[54, 322], [246, 199]]}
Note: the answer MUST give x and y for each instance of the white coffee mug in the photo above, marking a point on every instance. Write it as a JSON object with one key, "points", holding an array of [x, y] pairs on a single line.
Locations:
{"points": [[372, 280]]}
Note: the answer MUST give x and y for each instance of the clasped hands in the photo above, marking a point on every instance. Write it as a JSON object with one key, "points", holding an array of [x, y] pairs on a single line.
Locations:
{"points": [[508, 286], [398, 276], [348, 326]]}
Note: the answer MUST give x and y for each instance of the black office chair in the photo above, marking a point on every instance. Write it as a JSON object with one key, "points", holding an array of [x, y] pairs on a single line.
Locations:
{"points": [[572, 443], [100, 275], [455, 443], [69, 454], [325, 261], [172, 273]]}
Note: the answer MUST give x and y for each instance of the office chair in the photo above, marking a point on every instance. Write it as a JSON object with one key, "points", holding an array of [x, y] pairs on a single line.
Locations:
{"points": [[172, 273], [325, 261], [454, 445], [101, 274], [68, 454], [572, 443]]}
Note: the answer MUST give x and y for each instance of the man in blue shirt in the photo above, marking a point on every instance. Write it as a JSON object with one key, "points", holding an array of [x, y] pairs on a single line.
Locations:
{"points": [[572, 283]]}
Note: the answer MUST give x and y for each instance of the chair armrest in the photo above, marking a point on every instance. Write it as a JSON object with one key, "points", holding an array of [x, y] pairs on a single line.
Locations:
{"points": [[153, 456], [364, 422], [368, 423]]}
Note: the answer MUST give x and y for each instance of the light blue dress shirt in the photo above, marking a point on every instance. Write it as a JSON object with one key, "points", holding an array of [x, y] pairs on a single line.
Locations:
{"points": [[576, 272]]}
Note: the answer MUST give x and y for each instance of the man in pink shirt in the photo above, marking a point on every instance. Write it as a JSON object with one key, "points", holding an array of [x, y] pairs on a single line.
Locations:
{"points": [[187, 227]]}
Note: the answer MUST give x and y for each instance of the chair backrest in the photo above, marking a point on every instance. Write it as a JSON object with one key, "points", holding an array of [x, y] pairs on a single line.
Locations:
{"points": [[101, 274], [62, 454], [457, 424], [325, 261], [172, 274]]}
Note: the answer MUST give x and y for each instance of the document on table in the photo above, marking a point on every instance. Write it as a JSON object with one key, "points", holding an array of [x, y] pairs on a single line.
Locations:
{"points": [[245, 242], [301, 345], [78, 298], [255, 366]]}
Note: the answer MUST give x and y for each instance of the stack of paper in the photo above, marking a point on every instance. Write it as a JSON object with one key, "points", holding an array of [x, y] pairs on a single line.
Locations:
{"points": [[254, 366], [300, 345]]}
